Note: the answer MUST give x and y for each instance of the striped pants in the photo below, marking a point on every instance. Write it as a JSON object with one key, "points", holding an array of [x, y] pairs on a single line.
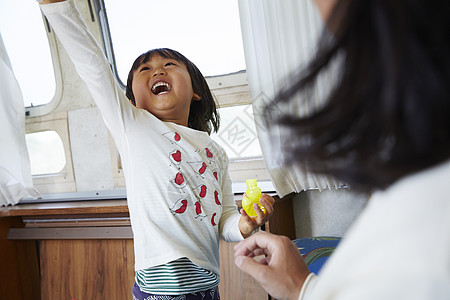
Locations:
{"points": [[211, 294]]}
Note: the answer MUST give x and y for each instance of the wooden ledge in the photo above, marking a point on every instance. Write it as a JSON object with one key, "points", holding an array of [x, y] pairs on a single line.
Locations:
{"points": [[87, 207], [65, 208], [82, 233]]}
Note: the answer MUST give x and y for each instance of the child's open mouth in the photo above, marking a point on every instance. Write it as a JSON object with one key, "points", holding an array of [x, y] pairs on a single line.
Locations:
{"points": [[161, 87]]}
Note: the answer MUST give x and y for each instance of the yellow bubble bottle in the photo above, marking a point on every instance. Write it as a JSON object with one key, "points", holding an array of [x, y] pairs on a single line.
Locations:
{"points": [[253, 193]]}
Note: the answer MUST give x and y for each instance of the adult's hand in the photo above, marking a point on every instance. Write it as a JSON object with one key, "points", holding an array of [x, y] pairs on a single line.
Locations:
{"points": [[281, 272]]}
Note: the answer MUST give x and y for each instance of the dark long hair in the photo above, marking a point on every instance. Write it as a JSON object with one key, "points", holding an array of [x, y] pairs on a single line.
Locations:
{"points": [[389, 113], [203, 114]]}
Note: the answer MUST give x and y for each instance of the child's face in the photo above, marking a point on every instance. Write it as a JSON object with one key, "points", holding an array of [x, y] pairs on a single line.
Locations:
{"points": [[163, 87]]}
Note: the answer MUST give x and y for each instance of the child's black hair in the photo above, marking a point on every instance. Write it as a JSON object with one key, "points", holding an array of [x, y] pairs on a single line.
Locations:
{"points": [[203, 114]]}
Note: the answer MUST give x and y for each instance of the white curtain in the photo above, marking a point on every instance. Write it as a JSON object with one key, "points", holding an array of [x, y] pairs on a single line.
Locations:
{"points": [[280, 37], [15, 171]]}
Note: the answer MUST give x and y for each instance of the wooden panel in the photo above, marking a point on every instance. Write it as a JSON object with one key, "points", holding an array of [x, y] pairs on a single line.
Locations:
{"points": [[87, 269], [71, 233], [235, 284], [282, 220], [19, 270], [66, 208], [79, 220], [98, 268]]}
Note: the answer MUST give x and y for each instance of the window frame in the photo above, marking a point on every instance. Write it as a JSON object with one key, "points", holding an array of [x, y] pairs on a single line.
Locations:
{"points": [[44, 109], [64, 180], [102, 17]]}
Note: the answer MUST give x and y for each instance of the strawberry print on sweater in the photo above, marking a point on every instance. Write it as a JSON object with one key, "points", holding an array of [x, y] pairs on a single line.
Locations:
{"points": [[195, 183]]}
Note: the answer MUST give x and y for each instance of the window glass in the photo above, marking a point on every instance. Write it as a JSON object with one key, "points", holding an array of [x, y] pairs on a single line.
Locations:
{"points": [[237, 133], [26, 42], [46, 152], [207, 32]]}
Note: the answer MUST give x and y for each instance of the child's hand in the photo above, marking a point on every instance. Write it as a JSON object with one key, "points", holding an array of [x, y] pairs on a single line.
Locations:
{"points": [[248, 224]]}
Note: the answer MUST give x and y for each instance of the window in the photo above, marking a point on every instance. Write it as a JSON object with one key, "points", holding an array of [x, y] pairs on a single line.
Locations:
{"points": [[237, 133], [24, 35], [50, 154], [207, 32], [46, 152]]}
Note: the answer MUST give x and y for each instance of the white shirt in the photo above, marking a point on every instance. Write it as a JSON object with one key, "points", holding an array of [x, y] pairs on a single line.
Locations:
{"points": [[399, 248], [178, 187]]}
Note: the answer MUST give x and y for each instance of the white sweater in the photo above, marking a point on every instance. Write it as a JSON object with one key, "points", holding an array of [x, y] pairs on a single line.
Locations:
{"points": [[178, 186], [399, 248]]}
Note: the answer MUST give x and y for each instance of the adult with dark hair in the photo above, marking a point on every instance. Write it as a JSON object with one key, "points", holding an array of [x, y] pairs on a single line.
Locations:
{"points": [[384, 129]]}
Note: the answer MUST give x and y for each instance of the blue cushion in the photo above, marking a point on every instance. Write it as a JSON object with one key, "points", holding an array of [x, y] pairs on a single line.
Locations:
{"points": [[316, 250]]}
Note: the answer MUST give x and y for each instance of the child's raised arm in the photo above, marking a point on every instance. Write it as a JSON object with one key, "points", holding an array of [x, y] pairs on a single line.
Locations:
{"points": [[90, 63]]}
